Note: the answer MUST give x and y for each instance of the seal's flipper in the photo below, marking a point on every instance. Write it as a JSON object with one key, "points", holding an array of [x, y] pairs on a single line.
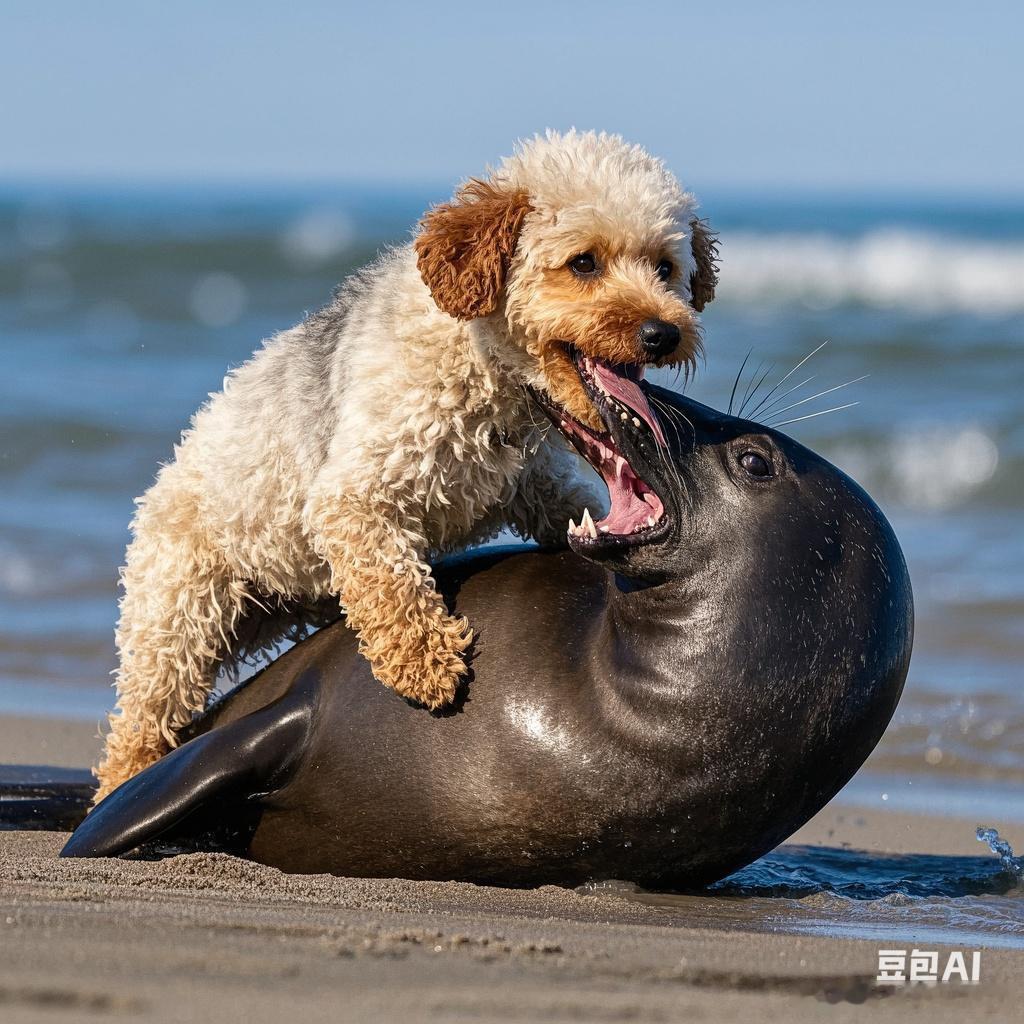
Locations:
{"points": [[246, 758]]}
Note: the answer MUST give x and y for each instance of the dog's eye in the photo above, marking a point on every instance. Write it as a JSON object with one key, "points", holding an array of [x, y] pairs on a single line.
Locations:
{"points": [[583, 265], [664, 269], [756, 465]]}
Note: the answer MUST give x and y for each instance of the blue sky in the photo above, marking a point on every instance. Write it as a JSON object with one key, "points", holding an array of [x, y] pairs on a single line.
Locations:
{"points": [[858, 97]]}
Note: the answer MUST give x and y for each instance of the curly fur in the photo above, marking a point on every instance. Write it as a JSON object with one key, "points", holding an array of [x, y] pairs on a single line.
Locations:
{"points": [[464, 247], [393, 425]]}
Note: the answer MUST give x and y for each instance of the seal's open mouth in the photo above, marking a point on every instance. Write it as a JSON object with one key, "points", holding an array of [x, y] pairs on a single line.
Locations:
{"points": [[636, 514]]}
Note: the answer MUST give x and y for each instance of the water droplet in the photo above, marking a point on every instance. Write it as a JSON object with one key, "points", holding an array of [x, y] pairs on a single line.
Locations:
{"points": [[1002, 849]]}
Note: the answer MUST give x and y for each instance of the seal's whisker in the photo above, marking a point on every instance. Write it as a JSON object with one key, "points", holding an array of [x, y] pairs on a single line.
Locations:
{"points": [[788, 375], [810, 416], [820, 394], [736, 382], [781, 398], [668, 416], [662, 450], [747, 389], [757, 387], [667, 413], [673, 416]]}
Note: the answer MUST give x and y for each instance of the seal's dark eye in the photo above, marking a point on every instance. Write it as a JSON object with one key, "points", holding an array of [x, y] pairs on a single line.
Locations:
{"points": [[756, 465], [664, 269], [583, 265]]}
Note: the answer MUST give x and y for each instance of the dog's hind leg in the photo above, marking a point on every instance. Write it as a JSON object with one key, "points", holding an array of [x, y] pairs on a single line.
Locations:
{"points": [[179, 608], [377, 558]]}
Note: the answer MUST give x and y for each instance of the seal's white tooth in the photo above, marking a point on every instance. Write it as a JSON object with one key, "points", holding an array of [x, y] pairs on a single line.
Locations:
{"points": [[572, 526], [636, 422], [603, 529], [624, 416], [587, 524], [650, 520]]}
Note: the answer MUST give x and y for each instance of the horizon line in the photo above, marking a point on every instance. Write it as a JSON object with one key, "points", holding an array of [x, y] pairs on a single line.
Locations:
{"points": [[212, 184]]}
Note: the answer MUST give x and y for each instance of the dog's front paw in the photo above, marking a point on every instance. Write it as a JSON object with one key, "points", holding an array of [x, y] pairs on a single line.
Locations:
{"points": [[429, 664]]}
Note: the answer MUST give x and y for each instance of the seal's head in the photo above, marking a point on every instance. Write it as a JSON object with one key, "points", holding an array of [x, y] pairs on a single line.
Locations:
{"points": [[690, 487]]}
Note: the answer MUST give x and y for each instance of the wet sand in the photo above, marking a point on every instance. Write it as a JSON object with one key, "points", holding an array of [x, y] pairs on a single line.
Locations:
{"points": [[204, 937]]}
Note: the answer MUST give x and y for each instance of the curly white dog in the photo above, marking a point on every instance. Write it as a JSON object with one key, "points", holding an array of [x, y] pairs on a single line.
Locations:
{"points": [[396, 424]]}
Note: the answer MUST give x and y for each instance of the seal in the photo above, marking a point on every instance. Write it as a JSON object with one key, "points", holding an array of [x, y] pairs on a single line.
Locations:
{"points": [[665, 702]]}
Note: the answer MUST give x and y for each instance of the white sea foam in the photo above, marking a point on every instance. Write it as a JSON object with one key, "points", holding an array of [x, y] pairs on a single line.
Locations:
{"points": [[928, 466], [17, 573], [318, 236], [218, 299], [922, 271]]}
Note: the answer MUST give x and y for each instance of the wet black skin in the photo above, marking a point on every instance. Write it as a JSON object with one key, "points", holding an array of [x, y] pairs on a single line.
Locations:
{"points": [[664, 711]]}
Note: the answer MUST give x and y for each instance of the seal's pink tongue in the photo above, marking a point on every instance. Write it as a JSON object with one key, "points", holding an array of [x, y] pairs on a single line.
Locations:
{"points": [[614, 382]]}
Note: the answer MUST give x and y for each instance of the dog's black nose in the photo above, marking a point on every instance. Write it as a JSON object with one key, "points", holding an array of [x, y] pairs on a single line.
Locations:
{"points": [[658, 337]]}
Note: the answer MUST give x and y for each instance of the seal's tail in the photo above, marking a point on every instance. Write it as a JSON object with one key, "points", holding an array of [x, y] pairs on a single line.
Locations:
{"points": [[40, 797]]}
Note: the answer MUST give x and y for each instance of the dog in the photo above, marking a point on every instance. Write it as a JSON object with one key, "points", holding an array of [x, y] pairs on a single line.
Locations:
{"points": [[397, 423]]}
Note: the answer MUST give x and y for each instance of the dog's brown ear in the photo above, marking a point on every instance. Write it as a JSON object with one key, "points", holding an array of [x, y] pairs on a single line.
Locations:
{"points": [[464, 247], [703, 280]]}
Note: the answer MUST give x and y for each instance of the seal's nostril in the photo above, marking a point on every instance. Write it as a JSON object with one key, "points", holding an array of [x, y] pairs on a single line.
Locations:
{"points": [[658, 337]]}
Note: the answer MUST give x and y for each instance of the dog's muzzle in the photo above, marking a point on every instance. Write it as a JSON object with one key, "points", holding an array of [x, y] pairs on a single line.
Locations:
{"points": [[658, 337]]}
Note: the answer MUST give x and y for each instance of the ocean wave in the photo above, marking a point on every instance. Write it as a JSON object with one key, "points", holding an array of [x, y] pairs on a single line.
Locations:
{"points": [[889, 268], [18, 576], [927, 466]]}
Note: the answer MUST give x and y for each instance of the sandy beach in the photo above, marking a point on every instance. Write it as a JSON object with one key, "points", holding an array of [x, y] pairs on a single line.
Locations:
{"points": [[201, 937]]}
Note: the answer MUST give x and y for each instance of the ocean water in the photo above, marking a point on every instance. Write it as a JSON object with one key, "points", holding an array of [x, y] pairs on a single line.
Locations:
{"points": [[120, 311], [929, 900]]}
